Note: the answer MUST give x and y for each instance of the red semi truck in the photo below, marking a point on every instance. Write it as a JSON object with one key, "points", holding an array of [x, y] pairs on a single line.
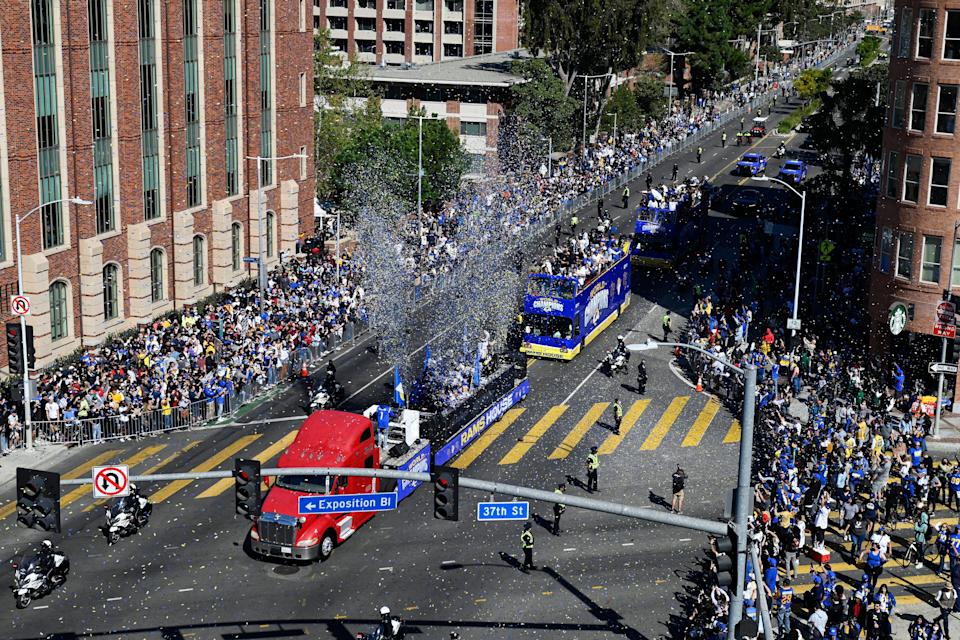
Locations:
{"points": [[326, 439]]}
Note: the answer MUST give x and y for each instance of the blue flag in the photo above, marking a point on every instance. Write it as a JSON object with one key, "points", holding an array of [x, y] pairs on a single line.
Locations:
{"points": [[426, 358], [476, 370], [399, 395]]}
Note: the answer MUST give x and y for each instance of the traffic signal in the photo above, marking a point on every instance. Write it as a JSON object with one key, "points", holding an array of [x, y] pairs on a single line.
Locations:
{"points": [[247, 487], [38, 499], [446, 493], [15, 347], [727, 560]]}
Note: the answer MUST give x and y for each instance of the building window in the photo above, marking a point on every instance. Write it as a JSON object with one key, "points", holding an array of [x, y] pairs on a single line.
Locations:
{"points": [[303, 163], [453, 51], [338, 22], [939, 181], [366, 46], [473, 128], [453, 27], [266, 93], [886, 249], [397, 5], [367, 4], [236, 238], [366, 24], [454, 6], [199, 261], [423, 5], [394, 25], [59, 324], [423, 49], [930, 265], [303, 15], [156, 275], [191, 100], [482, 27], [951, 36], [899, 104], [316, 22], [271, 220], [925, 26], [893, 167], [918, 106], [338, 4], [111, 294], [48, 128], [100, 106], [303, 89], [423, 26], [905, 255], [904, 32], [230, 95], [911, 179], [149, 144], [393, 47], [947, 108]]}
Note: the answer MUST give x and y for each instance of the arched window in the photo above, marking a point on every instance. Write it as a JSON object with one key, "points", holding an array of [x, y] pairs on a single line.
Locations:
{"points": [[111, 291], [271, 217], [236, 238], [59, 324], [156, 275], [199, 261]]}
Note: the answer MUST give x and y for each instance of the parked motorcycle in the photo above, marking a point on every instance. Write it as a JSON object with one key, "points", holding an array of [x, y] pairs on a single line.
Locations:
{"points": [[36, 576], [125, 517], [389, 628]]}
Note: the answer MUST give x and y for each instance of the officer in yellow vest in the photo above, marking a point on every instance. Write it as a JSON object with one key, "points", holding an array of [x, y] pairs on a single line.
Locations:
{"points": [[526, 541], [617, 416], [558, 508], [593, 464]]}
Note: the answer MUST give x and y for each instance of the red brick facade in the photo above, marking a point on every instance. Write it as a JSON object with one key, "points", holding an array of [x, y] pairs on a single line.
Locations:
{"points": [[292, 131]]}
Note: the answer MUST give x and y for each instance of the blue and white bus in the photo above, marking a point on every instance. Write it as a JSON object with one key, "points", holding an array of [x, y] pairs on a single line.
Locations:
{"points": [[560, 317], [656, 231]]}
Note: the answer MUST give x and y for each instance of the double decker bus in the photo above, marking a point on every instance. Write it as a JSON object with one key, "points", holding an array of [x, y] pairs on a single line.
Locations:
{"points": [[561, 317], [655, 235]]}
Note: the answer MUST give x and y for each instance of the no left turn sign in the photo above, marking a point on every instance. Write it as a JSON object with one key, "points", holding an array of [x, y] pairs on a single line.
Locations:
{"points": [[111, 482]]}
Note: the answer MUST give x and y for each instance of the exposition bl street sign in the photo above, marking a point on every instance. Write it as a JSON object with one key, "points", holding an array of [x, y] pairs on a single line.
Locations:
{"points": [[346, 503], [942, 367], [498, 511]]}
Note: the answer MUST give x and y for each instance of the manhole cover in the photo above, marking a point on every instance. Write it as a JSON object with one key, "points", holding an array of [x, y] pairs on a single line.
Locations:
{"points": [[286, 570]]}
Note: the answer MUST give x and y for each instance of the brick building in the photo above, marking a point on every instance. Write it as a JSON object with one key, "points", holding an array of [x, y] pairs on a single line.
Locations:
{"points": [[147, 108], [418, 31], [917, 247]]}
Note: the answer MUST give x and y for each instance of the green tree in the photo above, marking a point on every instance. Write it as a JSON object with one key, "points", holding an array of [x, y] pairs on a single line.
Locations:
{"points": [[812, 82], [541, 103], [868, 49], [707, 27], [634, 105], [444, 159], [648, 92]]}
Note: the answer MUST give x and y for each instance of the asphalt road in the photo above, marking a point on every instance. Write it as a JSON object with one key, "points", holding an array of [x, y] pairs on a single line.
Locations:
{"points": [[187, 575]]}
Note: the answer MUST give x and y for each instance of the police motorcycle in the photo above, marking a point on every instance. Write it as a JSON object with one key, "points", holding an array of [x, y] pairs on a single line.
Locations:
{"points": [[390, 627], [126, 516], [37, 575], [781, 151], [615, 362], [320, 400]]}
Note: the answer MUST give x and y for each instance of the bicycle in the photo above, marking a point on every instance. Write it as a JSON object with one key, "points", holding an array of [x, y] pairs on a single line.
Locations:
{"points": [[912, 555]]}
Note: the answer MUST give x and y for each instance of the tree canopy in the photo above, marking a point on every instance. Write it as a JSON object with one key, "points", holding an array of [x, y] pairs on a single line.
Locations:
{"points": [[541, 105]]}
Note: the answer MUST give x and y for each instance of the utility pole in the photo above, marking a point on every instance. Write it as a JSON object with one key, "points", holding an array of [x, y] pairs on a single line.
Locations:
{"points": [[585, 78], [756, 71]]}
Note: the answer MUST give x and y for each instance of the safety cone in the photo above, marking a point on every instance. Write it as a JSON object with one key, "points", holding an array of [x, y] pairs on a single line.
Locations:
{"points": [[303, 371], [699, 384]]}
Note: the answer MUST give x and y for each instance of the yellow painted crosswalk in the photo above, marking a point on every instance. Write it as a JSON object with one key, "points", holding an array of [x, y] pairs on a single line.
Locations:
{"points": [[664, 423], [207, 465], [267, 454], [700, 425], [733, 435], [576, 434], [533, 435], [473, 451], [629, 419]]}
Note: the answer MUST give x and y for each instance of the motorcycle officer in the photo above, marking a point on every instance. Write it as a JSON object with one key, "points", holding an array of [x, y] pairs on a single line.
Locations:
{"points": [[781, 150], [45, 556], [387, 627], [331, 370]]}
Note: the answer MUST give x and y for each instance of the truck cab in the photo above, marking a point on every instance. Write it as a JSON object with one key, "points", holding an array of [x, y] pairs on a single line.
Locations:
{"points": [[326, 439]]}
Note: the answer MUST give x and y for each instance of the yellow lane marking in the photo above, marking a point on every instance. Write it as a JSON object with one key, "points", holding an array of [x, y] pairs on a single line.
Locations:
{"points": [[664, 423], [576, 434], [597, 587], [891, 581], [535, 433], [547, 593], [413, 608], [701, 423], [81, 470], [733, 435], [495, 431], [267, 454], [207, 465], [630, 418], [479, 600], [135, 459]]}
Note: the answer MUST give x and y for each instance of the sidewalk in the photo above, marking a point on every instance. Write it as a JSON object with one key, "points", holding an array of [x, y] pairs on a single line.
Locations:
{"points": [[904, 615], [948, 440], [40, 457]]}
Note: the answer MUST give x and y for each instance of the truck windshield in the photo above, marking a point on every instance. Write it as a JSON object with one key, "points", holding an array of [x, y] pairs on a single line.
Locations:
{"points": [[305, 484]]}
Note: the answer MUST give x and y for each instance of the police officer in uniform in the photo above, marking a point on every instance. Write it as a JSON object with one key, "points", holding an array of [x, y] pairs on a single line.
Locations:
{"points": [[558, 508], [723, 139], [699, 155], [666, 326], [641, 377], [593, 464], [526, 541], [574, 221], [617, 416], [626, 196]]}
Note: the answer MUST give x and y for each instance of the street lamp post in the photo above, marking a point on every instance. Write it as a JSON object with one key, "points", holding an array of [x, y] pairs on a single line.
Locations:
{"points": [[420, 120], [27, 417], [261, 240], [943, 350], [741, 508], [672, 54], [337, 216], [614, 114], [796, 279]]}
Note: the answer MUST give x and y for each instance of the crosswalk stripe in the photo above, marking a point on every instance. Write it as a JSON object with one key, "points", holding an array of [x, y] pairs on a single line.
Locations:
{"points": [[86, 489], [630, 418], [80, 470], [170, 458], [207, 465], [535, 433], [891, 581], [267, 454], [664, 423], [695, 435], [733, 435], [495, 431], [576, 434]]}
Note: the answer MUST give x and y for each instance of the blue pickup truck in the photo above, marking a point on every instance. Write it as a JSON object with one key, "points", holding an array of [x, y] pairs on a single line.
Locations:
{"points": [[752, 164], [794, 171]]}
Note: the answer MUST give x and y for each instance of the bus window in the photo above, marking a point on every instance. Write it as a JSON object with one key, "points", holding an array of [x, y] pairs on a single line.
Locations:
{"points": [[547, 287], [548, 327]]}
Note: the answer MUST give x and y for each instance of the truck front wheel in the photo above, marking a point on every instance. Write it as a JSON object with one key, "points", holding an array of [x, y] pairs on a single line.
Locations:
{"points": [[327, 543]]}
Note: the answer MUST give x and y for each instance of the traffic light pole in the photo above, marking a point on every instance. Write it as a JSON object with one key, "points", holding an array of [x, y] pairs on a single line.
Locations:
{"points": [[27, 417]]}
